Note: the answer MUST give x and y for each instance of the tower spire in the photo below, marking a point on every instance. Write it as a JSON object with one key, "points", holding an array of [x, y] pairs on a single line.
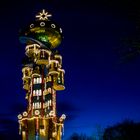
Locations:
{"points": [[43, 15]]}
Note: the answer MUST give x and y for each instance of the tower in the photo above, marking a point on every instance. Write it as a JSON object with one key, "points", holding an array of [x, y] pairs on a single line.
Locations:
{"points": [[42, 77]]}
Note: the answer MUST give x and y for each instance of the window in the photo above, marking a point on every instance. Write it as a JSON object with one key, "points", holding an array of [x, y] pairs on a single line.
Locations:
{"points": [[38, 80], [40, 92], [35, 80], [37, 105], [40, 105], [36, 92], [33, 92]]}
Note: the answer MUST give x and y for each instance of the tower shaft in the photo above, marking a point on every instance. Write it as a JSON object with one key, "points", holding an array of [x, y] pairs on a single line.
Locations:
{"points": [[42, 77]]}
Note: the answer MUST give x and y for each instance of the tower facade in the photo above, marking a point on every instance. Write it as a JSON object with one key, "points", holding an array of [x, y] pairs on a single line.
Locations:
{"points": [[42, 77]]}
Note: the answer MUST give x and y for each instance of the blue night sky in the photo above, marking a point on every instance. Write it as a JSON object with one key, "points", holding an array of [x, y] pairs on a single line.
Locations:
{"points": [[101, 58]]}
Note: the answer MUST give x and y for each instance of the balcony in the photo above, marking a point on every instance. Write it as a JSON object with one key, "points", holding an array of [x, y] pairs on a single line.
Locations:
{"points": [[58, 83], [43, 57], [31, 50], [53, 67]]}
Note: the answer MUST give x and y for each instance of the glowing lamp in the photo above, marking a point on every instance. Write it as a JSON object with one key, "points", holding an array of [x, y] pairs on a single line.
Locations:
{"points": [[19, 116], [37, 112], [25, 114]]}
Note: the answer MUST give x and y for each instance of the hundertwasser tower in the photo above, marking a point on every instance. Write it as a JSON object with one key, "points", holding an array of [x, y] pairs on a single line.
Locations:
{"points": [[42, 77]]}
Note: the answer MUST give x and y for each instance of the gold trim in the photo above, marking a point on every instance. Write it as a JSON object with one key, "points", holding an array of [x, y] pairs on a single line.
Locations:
{"points": [[53, 72], [59, 87]]}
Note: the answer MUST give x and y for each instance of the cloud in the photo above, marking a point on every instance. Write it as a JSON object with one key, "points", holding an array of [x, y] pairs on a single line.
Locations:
{"points": [[8, 128], [66, 107], [18, 107], [71, 111]]}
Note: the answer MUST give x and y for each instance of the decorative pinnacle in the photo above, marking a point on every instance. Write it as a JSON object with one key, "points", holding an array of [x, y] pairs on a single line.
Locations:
{"points": [[43, 15]]}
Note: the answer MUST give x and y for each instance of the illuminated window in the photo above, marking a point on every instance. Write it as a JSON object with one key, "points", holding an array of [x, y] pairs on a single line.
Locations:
{"points": [[35, 80], [50, 102], [34, 105], [40, 92], [36, 92], [40, 105], [33, 92]]}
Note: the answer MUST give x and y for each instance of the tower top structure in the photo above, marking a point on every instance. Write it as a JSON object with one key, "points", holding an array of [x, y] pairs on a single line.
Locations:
{"points": [[42, 31]]}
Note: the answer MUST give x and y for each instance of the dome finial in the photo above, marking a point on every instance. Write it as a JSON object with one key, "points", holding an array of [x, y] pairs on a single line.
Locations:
{"points": [[43, 15]]}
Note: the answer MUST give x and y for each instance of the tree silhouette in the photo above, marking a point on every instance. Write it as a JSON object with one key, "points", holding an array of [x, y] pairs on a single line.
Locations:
{"points": [[127, 130], [76, 136]]}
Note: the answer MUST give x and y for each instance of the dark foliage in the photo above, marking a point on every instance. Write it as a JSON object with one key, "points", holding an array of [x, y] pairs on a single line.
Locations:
{"points": [[76, 136], [127, 130]]}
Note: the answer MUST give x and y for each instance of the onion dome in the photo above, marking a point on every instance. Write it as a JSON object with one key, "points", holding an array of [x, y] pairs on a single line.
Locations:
{"points": [[42, 31]]}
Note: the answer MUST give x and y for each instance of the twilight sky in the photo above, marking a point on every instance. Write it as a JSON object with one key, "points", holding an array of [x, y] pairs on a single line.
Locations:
{"points": [[100, 56]]}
